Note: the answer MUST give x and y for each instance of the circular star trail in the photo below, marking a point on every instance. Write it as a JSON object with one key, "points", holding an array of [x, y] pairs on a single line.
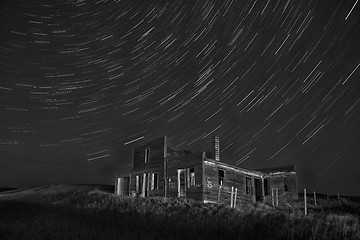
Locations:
{"points": [[83, 82]]}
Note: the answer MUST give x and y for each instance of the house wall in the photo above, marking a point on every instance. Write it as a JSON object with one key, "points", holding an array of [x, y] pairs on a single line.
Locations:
{"points": [[233, 178], [157, 153], [277, 181], [155, 164], [150, 192], [184, 161]]}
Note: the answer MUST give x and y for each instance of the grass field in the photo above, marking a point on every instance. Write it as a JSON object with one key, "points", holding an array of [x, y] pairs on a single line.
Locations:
{"points": [[93, 212]]}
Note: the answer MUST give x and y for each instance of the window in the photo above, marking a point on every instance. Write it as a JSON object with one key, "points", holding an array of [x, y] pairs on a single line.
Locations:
{"points": [[147, 155], [137, 183], [192, 177], [248, 187], [266, 187], [221, 177], [154, 181], [286, 184]]}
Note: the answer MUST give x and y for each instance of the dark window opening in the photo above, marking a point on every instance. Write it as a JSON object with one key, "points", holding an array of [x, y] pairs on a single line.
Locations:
{"points": [[266, 187], [286, 184], [221, 177], [248, 183], [147, 155]]}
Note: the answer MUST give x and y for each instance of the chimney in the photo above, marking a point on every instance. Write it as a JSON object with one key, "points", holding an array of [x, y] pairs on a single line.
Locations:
{"points": [[216, 148], [203, 155]]}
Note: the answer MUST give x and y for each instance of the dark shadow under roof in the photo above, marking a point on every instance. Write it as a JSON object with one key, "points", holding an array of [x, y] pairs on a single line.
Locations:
{"points": [[290, 168]]}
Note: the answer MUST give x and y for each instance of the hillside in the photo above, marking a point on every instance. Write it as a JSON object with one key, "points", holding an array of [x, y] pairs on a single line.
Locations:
{"points": [[6, 189], [93, 212]]}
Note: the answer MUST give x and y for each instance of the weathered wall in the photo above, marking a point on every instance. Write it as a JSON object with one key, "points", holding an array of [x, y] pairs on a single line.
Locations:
{"points": [[277, 181], [182, 161], [154, 165], [293, 191], [151, 193], [233, 178], [157, 153]]}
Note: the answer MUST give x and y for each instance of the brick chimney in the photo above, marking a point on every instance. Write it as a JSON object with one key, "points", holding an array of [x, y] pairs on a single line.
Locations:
{"points": [[216, 148]]}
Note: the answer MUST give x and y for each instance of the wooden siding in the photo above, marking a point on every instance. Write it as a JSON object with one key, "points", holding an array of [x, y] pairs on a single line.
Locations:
{"points": [[155, 164], [276, 181], [234, 177], [185, 161], [151, 193], [156, 160]]}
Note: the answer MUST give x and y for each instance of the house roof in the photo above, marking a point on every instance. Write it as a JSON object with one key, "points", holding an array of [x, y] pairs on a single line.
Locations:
{"points": [[236, 168], [290, 168]]}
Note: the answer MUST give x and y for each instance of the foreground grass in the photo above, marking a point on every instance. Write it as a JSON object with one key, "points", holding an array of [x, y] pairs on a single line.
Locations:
{"points": [[92, 212]]}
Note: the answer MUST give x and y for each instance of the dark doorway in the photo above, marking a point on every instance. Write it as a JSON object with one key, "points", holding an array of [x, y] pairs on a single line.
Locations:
{"points": [[145, 185], [258, 189]]}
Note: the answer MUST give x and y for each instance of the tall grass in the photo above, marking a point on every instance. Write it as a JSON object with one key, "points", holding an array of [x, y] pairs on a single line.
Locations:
{"points": [[88, 212]]}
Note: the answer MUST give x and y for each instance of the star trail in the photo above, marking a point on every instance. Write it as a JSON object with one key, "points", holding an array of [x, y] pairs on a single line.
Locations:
{"points": [[83, 82]]}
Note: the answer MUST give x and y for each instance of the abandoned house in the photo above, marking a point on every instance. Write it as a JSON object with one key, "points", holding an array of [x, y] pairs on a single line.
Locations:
{"points": [[159, 170]]}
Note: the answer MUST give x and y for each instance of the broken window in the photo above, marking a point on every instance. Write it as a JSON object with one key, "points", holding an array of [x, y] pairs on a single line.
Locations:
{"points": [[248, 185], [154, 181], [147, 155], [286, 184], [266, 187], [221, 177]]}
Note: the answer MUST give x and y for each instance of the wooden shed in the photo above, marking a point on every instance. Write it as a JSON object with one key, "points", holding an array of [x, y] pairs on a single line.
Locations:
{"points": [[159, 170]]}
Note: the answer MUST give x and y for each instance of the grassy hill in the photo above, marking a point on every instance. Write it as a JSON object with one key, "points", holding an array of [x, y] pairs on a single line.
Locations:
{"points": [[6, 189], [93, 212]]}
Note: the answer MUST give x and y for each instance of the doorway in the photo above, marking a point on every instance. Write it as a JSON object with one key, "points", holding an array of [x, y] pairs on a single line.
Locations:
{"points": [[258, 189]]}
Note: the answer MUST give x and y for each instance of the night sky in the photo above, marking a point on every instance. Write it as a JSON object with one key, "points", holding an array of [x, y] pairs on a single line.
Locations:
{"points": [[83, 82]]}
